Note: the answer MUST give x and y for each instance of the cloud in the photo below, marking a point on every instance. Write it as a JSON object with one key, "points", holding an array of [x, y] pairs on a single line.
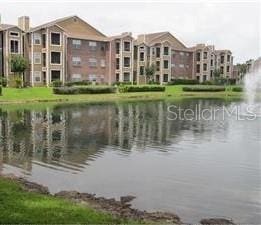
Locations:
{"points": [[230, 25]]}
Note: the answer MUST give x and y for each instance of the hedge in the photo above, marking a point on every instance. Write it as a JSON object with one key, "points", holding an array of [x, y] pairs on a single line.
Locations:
{"points": [[237, 89], [78, 83], [147, 88], [204, 88], [83, 90], [183, 81]]}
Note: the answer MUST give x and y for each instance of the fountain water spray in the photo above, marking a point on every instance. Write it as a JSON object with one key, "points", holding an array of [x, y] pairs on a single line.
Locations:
{"points": [[252, 87]]}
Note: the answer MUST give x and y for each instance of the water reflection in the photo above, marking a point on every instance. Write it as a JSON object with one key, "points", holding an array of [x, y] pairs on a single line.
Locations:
{"points": [[70, 136]]}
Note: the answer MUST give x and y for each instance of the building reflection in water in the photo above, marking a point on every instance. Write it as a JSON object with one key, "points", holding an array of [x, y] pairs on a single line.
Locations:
{"points": [[69, 136]]}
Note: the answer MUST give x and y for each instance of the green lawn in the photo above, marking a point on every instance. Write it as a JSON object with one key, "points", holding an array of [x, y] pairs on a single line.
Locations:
{"points": [[19, 206], [43, 94]]}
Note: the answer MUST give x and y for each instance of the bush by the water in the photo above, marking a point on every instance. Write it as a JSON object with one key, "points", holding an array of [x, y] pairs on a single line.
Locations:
{"points": [[3, 81], [237, 89], [78, 83], [183, 81], [83, 90], [145, 88], [204, 88]]}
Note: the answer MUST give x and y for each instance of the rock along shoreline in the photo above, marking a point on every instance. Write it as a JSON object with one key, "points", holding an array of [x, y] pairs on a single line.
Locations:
{"points": [[121, 208]]}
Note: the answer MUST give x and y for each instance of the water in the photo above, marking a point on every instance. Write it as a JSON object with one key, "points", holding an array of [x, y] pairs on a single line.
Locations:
{"points": [[195, 168]]}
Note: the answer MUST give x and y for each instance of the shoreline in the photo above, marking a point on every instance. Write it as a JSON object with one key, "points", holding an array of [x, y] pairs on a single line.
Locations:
{"points": [[120, 209]]}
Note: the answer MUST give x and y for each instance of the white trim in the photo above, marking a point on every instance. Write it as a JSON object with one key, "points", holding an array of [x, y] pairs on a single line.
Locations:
{"points": [[56, 64], [40, 39], [39, 75], [60, 33], [19, 44], [39, 63]]}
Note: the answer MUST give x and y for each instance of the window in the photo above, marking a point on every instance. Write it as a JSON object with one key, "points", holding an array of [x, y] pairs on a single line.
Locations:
{"points": [[222, 59], [187, 54], [181, 65], [157, 52], [165, 77], [172, 65], [205, 56], [92, 45], [228, 58], [117, 63], [117, 77], [14, 34], [166, 64], [205, 67], [222, 69], [14, 46], [76, 61], [141, 70], [126, 77], [92, 77], [44, 59], [44, 40], [55, 38], [126, 61], [37, 38], [37, 76], [103, 63], [126, 46], [228, 69], [204, 78], [92, 62], [76, 77], [198, 56], [166, 50], [117, 47], [211, 73], [158, 65], [181, 53], [211, 62], [37, 57], [55, 57], [76, 43], [198, 68], [141, 56], [55, 75]]}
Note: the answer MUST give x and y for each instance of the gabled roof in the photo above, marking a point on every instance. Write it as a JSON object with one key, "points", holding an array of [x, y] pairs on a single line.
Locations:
{"points": [[123, 35], [6, 26], [60, 23]]}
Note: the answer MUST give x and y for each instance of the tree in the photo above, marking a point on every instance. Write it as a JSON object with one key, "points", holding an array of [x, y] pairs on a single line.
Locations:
{"points": [[18, 66], [150, 71], [216, 73]]}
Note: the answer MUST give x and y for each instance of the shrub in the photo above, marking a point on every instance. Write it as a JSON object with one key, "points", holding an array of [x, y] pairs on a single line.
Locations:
{"points": [[204, 88], [83, 90], [183, 81], [3, 81], [237, 89], [57, 83], [208, 82], [78, 83], [0, 90], [147, 88], [122, 83]]}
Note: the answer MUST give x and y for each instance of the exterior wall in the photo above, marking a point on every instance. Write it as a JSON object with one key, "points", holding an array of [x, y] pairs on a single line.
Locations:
{"points": [[181, 64], [46, 70], [119, 73], [85, 53], [227, 63], [6, 50]]}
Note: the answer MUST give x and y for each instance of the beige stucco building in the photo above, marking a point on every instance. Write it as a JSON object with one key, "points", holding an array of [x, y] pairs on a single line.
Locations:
{"points": [[70, 49]]}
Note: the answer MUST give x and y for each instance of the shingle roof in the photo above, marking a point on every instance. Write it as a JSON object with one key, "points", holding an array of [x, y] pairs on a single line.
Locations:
{"points": [[6, 26], [87, 37]]}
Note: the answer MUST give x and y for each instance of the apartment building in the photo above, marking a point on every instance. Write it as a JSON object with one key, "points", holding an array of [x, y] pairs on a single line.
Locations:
{"points": [[70, 49], [11, 43]]}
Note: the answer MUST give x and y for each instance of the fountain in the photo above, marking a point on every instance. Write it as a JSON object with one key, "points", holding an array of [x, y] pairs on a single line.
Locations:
{"points": [[252, 88]]}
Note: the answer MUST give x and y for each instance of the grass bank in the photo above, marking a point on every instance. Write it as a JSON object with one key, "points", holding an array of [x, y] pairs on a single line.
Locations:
{"points": [[43, 94], [20, 206]]}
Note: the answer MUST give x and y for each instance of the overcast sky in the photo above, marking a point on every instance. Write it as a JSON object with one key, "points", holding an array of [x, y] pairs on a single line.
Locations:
{"points": [[233, 25]]}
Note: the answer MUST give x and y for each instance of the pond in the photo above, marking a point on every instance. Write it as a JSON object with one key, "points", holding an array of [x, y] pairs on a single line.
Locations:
{"points": [[194, 167]]}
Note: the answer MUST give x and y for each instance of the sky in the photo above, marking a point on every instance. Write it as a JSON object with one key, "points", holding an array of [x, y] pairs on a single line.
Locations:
{"points": [[234, 25]]}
